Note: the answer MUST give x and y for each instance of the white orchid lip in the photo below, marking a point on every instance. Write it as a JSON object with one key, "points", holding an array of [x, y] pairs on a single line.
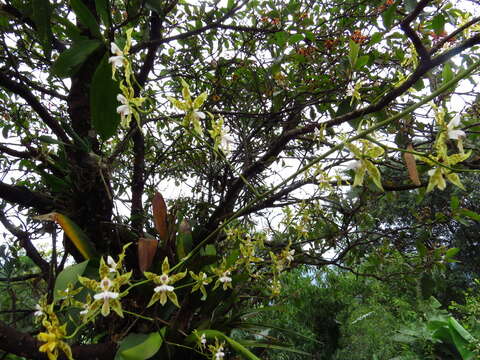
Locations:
{"points": [[225, 278], [105, 295], [455, 134], [116, 61], [39, 311], [164, 288], [124, 110]]}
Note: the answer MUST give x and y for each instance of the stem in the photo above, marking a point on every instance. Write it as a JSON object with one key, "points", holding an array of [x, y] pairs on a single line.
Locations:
{"points": [[125, 292], [71, 336], [138, 315], [185, 285]]}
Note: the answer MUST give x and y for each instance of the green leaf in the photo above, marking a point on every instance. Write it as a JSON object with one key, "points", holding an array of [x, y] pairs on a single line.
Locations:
{"points": [[402, 139], [281, 38], [140, 346], [376, 38], [103, 11], [454, 202], [55, 183], [410, 5], [70, 60], [295, 38], [208, 250], [388, 16], [460, 329], [461, 338], [49, 140], [155, 5], [353, 53], [74, 233], [438, 23], [85, 16], [419, 85], [362, 61], [103, 101], [447, 73], [41, 15], [67, 276], [451, 253], [421, 248], [345, 107], [184, 244], [70, 30], [469, 213], [256, 344]]}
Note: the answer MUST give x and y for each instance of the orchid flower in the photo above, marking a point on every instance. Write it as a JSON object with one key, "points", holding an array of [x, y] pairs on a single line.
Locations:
{"points": [[39, 311], [452, 132], [118, 59], [164, 290]]}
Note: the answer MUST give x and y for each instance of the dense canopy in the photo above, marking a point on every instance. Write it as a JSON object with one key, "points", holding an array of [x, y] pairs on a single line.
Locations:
{"points": [[163, 162]]}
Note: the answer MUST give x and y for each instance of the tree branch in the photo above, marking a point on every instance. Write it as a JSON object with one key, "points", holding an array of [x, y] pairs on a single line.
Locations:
{"points": [[25, 242], [440, 44], [422, 69], [22, 196], [20, 278], [26, 20], [187, 34], [35, 86], [249, 29], [31, 100], [270, 201], [257, 167], [411, 34], [147, 65], [25, 345], [138, 181], [19, 154]]}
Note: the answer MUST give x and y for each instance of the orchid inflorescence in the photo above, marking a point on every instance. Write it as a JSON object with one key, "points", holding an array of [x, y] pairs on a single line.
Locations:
{"points": [[113, 284]]}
